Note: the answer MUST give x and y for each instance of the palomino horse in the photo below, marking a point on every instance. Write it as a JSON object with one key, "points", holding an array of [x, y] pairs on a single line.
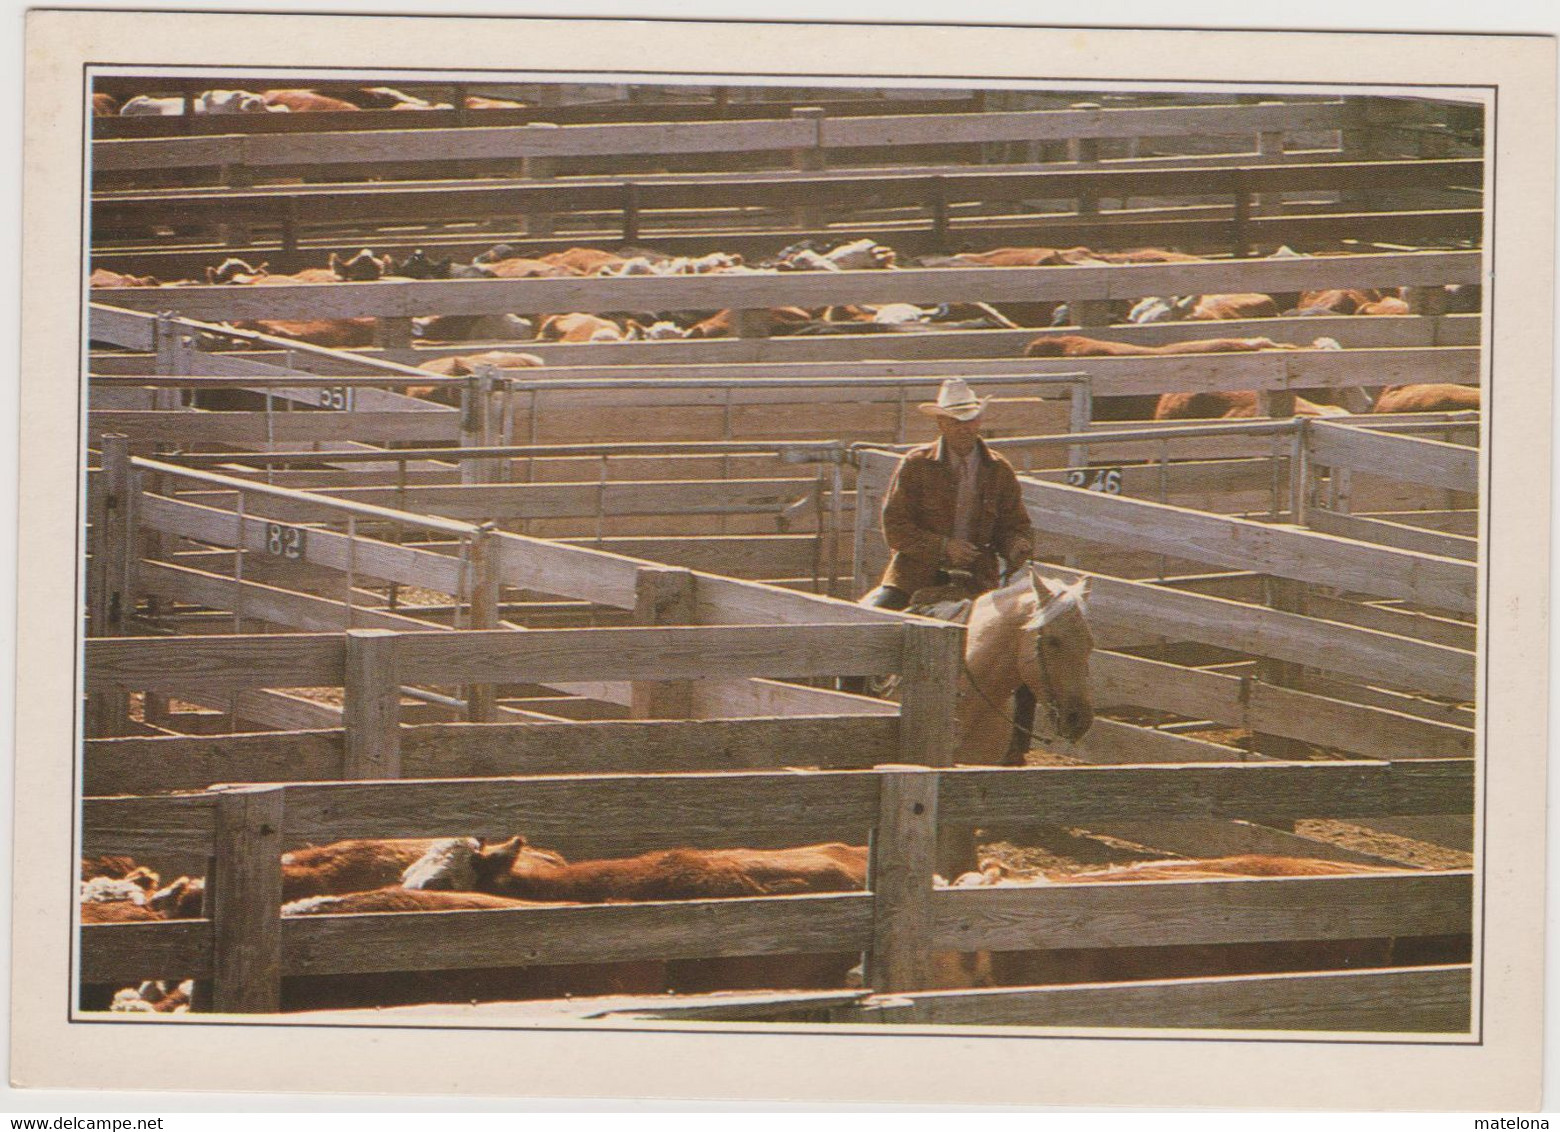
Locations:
{"points": [[1035, 633]]}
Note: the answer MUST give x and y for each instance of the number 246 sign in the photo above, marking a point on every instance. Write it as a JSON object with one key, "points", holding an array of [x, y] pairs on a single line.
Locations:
{"points": [[1107, 480]]}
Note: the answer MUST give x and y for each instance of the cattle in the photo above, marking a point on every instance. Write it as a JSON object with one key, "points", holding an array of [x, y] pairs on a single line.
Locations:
{"points": [[364, 267], [773, 322], [1203, 308], [107, 867], [304, 101], [1078, 346], [234, 270], [147, 106], [516, 869], [349, 866], [1435, 398], [471, 328], [585, 261], [581, 328], [420, 265], [207, 102], [480, 102], [117, 912], [160, 996], [1346, 301], [134, 887], [1218, 308], [1229, 405], [230, 102], [394, 898], [104, 105], [332, 333], [465, 364], [1142, 406], [820, 254], [520, 267], [102, 277]]}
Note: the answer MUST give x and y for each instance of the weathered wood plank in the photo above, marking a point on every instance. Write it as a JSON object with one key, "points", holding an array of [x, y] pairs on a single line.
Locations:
{"points": [[649, 653], [266, 603], [369, 557], [1260, 792], [1110, 742], [1241, 910], [1401, 622], [175, 762], [476, 143], [129, 953], [1195, 838], [688, 809], [1241, 544], [603, 933], [644, 746], [1397, 535], [1369, 655], [1257, 706], [1454, 467], [218, 663]]}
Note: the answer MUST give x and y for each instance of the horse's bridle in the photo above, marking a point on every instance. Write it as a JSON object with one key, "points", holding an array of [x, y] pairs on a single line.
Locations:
{"points": [[1051, 710]]}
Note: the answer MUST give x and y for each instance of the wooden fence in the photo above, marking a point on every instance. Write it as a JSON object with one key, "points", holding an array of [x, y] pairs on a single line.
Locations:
{"points": [[802, 132], [245, 948], [916, 213]]}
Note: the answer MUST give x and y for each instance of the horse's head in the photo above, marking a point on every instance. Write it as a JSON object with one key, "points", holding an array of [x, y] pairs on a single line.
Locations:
{"points": [[1054, 661]]}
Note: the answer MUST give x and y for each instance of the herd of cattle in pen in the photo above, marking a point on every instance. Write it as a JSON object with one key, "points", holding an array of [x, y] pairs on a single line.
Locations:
{"points": [[503, 261], [464, 874], [283, 101]]}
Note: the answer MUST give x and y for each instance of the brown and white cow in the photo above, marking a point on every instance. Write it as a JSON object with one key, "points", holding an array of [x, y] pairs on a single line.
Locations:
{"points": [[1434, 398], [304, 101]]}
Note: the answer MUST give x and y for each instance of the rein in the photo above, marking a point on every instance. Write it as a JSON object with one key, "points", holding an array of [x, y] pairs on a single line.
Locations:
{"points": [[1050, 704]]}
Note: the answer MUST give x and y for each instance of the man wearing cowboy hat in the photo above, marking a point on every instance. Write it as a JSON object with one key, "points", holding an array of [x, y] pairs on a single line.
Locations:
{"points": [[953, 504]]}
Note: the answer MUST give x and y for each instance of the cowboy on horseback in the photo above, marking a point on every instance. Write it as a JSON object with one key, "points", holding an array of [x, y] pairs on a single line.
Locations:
{"points": [[953, 507]]}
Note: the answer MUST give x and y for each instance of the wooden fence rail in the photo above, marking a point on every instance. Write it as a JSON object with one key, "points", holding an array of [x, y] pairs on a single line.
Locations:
{"points": [[360, 147], [321, 204]]}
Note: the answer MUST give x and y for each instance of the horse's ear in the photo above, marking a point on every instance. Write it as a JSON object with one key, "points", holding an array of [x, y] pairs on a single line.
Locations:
{"points": [[1044, 590]]}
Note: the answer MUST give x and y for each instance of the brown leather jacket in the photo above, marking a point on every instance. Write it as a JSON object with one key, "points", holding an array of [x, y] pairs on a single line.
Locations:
{"points": [[918, 517]]}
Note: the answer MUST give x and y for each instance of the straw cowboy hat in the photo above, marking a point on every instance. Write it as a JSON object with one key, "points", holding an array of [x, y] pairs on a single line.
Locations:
{"points": [[956, 400]]}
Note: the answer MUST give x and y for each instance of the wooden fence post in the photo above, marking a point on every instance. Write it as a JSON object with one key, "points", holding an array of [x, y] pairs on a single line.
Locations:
{"points": [[1270, 145], [937, 203], [539, 225], [372, 709], [663, 595], [810, 159], [245, 902], [1085, 151], [111, 581], [393, 333], [899, 874], [630, 212], [931, 664], [481, 700]]}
